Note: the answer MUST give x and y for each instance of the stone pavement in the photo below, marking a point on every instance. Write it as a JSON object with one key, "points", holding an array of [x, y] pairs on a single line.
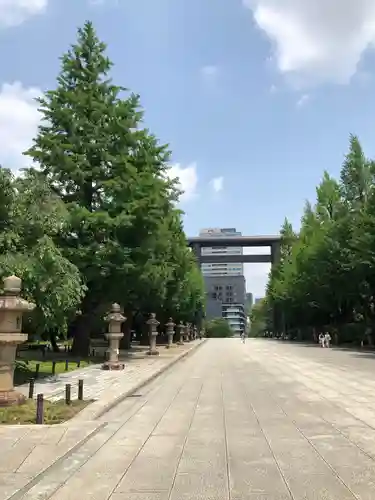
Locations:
{"points": [[262, 421], [105, 387]]}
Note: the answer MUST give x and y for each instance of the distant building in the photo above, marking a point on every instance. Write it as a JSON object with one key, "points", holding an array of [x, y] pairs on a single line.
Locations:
{"points": [[222, 268], [235, 315], [224, 282]]}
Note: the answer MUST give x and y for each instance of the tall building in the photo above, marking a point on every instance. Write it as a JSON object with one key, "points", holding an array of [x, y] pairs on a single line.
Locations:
{"points": [[249, 301], [225, 282], [222, 268]]}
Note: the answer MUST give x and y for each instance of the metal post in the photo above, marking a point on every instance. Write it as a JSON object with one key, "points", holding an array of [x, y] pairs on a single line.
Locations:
{"points": [[80, 390], [39, 409]]}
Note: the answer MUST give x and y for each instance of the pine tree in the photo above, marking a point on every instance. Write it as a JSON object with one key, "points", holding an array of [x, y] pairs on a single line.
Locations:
{"points": [[111, 173]]}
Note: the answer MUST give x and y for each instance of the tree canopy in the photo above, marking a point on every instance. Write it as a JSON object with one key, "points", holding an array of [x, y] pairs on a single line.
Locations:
{"points": [[219, 328], [326, 275], [95, 220]]}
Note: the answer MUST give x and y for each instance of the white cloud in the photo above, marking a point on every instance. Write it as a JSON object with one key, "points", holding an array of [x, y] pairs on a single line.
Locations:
{"points": [[304, 99], [187, 179], [217, 184], [19, 119], [317, 40], [15, 12]]}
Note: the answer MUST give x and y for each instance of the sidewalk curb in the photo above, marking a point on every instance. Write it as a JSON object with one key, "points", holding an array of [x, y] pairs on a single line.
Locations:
{"points": [[149, 379]]}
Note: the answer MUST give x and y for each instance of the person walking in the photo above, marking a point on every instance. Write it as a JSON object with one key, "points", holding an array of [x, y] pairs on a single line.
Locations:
{"points": [[243, 337], [327, 339], [321, 339]]}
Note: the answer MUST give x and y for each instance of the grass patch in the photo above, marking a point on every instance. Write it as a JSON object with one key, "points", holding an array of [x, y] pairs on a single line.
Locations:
{"points": [[54, 412], [24, 370]]}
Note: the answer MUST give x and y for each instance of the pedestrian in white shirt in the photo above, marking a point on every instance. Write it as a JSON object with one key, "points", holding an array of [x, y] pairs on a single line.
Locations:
{"points": [[321, 339], [327, 339]]}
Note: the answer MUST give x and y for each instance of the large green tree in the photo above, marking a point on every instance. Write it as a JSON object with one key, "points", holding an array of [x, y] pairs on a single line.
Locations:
{"points": [[111, 174]]}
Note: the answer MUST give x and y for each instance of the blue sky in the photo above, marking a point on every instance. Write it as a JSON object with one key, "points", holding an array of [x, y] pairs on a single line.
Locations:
{"points": [[255, 97]]}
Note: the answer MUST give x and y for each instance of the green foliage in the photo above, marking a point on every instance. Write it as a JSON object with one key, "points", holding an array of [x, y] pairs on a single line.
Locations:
{"points": [[95, 221], [259, 318], [326, 275], [218, 328], [31, 216]]}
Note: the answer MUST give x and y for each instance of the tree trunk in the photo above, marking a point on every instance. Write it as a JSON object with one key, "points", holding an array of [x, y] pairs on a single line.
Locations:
{"points": [[144, 336], [370, 341], [81, 327], [52, 338], [80, 331]]}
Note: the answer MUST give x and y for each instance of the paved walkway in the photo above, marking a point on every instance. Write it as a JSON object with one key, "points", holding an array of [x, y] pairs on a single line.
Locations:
{"points": [[106, 386], [262, 421]]}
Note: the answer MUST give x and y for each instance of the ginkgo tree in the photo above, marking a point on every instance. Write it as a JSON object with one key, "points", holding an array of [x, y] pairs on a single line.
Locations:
{"points": [[326, 274]]}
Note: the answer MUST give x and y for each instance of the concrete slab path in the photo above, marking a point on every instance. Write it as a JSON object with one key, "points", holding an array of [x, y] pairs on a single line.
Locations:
{"points": [[262, 421]]}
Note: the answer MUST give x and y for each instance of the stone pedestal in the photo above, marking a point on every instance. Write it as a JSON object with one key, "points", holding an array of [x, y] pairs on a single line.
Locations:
{"points": [[180, 328], [170, 333], [114, 335], [153, 324], [12, 306], [187, 336], [195, 333]]}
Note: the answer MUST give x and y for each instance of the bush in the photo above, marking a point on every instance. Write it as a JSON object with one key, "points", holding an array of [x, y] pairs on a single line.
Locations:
{"points": [[218, 328]]}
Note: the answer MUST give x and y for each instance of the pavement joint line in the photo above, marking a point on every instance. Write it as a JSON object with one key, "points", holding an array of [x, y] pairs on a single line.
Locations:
{"points": [[145, 382], [225, 437], [251, 407], [19, 494], [185, 441]]}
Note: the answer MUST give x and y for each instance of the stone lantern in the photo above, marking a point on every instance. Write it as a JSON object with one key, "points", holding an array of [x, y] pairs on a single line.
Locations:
{"points": [[170, 333], [187, 334], [180, 328], [114, 335], [153, 324], [12, 306], [195, 332]]}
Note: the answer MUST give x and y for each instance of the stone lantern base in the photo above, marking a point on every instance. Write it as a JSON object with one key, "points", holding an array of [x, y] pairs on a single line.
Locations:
{"points": [[11, 398], [152, 352], [117, 366]]}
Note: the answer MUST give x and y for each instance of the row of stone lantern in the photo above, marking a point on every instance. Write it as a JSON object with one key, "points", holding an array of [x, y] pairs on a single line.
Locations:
{"points": [[12, 306], [186, 333]]}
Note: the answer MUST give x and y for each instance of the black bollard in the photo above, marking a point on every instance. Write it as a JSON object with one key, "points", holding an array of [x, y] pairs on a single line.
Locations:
{"points": [[53, 367], [66, 365], [39, 409], [80, 390], [37, 368], [68, 391], [31, 388]]}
